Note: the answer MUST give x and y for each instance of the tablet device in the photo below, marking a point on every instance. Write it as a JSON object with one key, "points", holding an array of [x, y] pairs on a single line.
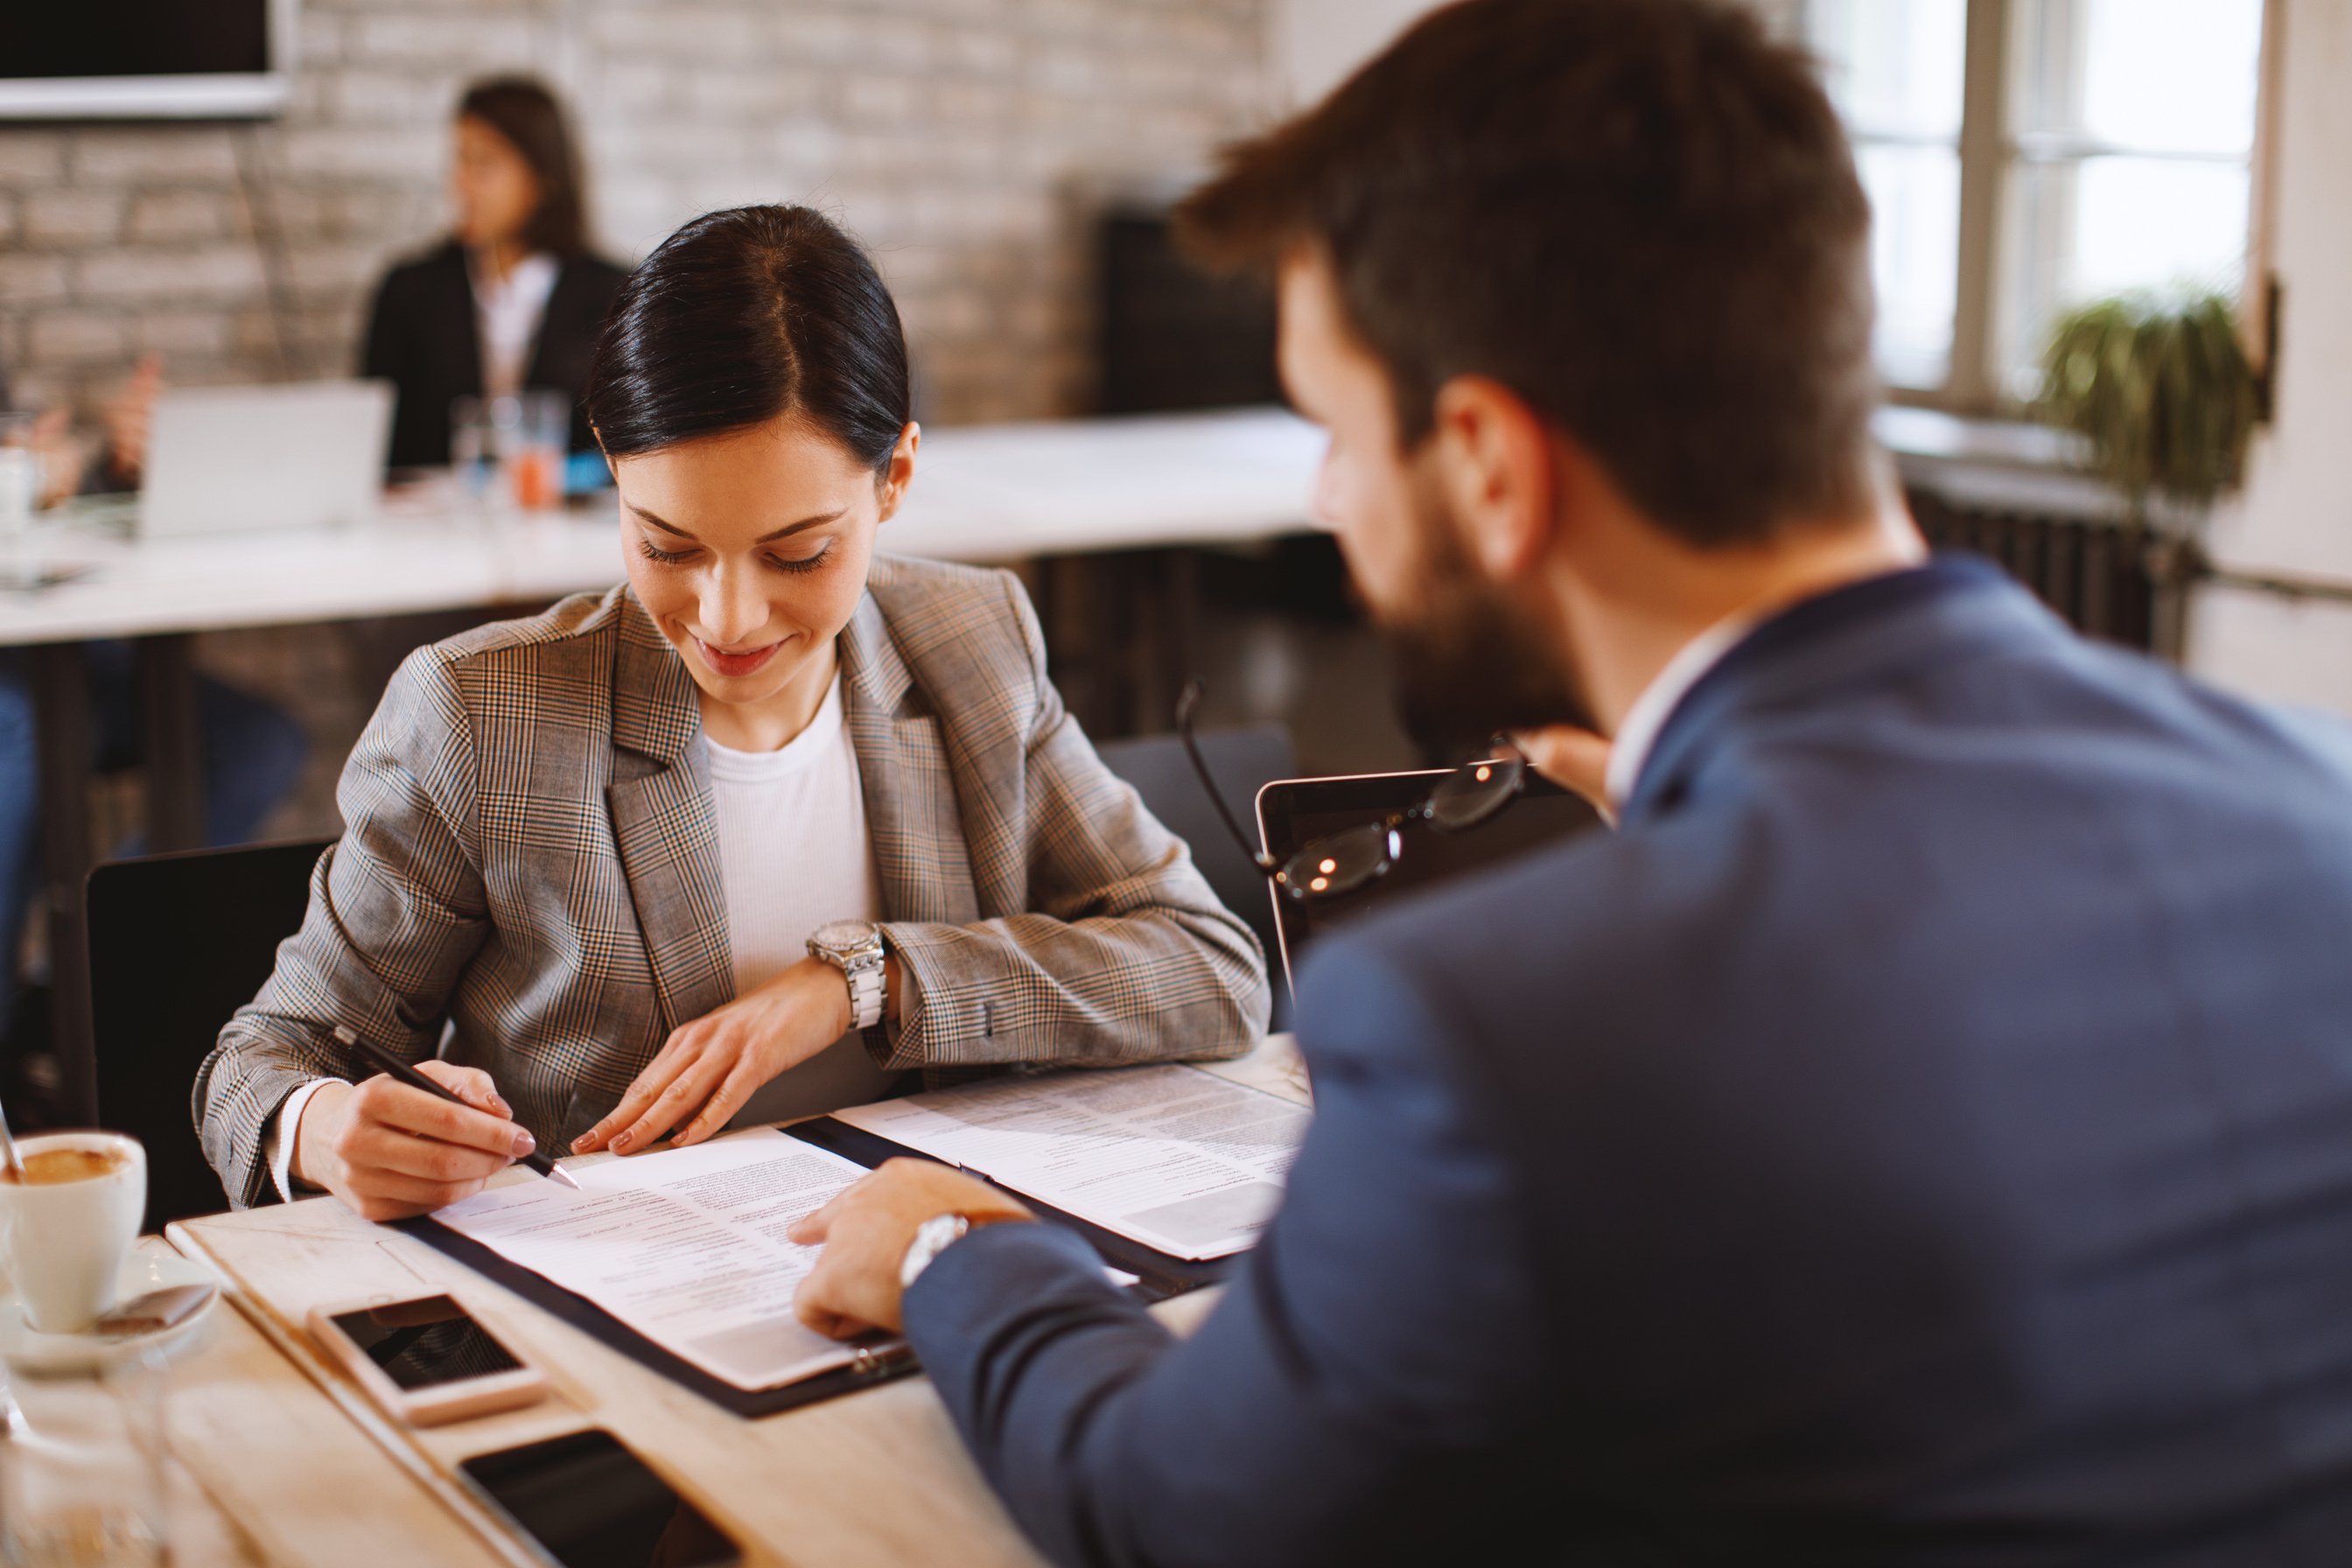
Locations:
{"points": [[1294, 813]]}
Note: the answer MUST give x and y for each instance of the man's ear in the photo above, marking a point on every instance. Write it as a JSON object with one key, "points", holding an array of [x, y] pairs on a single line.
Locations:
{"points": [[1495, 465]]}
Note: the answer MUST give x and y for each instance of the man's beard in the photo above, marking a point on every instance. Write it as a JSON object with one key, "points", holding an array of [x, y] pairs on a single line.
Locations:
{"points": [[1470, 662]]}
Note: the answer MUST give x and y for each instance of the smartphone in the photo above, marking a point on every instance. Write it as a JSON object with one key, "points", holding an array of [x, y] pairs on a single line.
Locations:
{"points": [[427, 1360], [585, 1501]]}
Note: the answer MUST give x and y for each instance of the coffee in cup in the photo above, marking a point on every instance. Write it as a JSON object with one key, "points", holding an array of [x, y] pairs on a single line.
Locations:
{"points": [[68, 1217], [50, 1167]]}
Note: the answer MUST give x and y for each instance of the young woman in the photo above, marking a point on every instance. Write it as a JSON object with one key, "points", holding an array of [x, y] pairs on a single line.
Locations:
{"points": [[512, 301], [587, 852]]}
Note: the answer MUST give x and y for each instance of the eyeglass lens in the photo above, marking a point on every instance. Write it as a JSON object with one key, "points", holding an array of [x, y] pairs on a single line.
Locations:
{"points": [[1341, 862], [1347, 860], [1475, 792]]}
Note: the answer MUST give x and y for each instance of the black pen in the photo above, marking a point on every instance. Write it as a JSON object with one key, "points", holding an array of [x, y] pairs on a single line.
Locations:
{"points": [[537, 1158]]}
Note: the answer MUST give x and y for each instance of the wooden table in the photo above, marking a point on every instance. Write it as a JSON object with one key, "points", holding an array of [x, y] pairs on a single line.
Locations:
{"points": [[982, 493], [292, 1457]]}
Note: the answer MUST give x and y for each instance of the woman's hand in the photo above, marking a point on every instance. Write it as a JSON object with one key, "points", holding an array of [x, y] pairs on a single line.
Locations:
{"points": [[128, 416], [707, 1068], [62, 458], [390, 1151]]}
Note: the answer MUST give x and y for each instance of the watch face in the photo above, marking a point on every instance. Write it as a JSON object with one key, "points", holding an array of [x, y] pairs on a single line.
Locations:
{"points": [[846, 936]]}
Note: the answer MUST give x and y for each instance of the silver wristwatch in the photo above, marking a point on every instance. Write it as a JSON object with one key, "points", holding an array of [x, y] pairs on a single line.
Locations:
{"points": [[855, 947], [933, 1237]]}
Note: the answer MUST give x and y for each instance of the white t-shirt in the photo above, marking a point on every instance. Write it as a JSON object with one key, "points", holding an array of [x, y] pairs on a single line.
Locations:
{"points": [[793, 853]]}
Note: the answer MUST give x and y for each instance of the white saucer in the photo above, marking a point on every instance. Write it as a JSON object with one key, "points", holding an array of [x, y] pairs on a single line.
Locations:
{"points": [[25, 1349]]}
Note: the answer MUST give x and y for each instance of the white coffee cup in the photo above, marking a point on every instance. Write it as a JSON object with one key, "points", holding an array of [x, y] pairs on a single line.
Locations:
{"points": [[65, 1242]]}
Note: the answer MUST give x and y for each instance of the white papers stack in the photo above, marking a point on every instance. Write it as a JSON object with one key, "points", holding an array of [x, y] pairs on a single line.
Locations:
{"points": [[1168, 1156], [686, 1246]]}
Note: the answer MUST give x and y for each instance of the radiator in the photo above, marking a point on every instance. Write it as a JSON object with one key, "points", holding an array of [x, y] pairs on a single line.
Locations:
{"points": [[2093, 570]]}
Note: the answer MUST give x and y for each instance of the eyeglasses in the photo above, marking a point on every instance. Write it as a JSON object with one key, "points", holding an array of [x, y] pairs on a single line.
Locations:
{"points": [[1344, 861]]}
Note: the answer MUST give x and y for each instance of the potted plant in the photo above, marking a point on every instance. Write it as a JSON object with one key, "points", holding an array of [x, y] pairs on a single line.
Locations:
{"points": [[2160, 390]]}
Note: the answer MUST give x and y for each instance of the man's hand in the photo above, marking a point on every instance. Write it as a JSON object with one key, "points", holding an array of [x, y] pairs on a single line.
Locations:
{"points": [[866, 1232], [1574, 759], [707, 1068], [390, 1151]]}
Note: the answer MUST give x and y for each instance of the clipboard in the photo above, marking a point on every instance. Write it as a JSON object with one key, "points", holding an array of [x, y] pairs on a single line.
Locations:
{"points": [[1157, 1275]]}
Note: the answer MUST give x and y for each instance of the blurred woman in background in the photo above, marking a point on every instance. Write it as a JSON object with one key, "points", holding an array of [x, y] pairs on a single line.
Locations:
{"points": [[512, 301]]}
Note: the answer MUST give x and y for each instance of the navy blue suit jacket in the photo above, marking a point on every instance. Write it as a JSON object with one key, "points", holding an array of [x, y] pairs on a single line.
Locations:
{"points": [[1922, 1134]]}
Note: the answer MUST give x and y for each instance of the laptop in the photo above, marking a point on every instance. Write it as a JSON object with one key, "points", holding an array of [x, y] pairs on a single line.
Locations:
{"points": [[237, 459], [1293, 812]]}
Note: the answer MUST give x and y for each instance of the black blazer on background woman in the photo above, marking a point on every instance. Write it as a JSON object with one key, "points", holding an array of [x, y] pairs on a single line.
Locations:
{"points": [[422, 338]]}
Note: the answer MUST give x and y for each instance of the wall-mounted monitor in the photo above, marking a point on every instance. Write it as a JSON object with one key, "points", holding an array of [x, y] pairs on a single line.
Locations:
{"points": [[146, 59]]}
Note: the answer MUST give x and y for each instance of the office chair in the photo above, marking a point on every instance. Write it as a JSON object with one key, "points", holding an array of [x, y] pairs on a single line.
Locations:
{"points": [[178, 943], [1241, 760]]}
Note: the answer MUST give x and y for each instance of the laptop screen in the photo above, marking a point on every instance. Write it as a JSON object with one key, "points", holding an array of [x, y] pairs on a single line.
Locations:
{"points": [[1293, 812]]}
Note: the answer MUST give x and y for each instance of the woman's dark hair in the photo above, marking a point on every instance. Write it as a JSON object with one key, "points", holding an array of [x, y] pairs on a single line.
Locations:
{"points": [[526, 113], [744, 315]]}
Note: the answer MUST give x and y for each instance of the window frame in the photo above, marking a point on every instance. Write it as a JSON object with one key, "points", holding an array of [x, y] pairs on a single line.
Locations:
{"points": [[1989, 146]]}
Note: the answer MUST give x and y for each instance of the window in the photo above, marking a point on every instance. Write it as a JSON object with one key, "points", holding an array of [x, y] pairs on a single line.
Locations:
{"points": [[2023, 156]]}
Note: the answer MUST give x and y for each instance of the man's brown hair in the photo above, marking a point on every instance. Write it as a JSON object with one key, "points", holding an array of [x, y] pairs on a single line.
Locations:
{"points": [[1641, 216]]}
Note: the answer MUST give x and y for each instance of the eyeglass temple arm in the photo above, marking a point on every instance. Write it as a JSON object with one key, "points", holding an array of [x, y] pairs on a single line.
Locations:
{"points": [[1185, 704]]}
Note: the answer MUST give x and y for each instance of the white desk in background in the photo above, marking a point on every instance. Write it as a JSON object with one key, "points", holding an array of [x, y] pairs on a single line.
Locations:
{"points": [[982, 493], [1010, 492]]}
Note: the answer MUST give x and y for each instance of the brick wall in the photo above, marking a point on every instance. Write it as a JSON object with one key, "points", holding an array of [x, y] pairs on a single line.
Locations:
{"points": [[964, 140]]}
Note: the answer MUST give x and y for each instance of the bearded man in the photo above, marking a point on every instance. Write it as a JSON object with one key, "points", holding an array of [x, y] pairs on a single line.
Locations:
{"points": [[1921, 1133]]}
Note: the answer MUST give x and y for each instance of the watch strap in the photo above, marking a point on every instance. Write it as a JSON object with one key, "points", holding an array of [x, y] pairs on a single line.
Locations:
{"points": [[866, 991], [862, 968]]}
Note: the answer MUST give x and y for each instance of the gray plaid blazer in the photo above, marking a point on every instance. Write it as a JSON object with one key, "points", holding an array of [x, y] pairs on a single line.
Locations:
{"points": [[528, 880]]}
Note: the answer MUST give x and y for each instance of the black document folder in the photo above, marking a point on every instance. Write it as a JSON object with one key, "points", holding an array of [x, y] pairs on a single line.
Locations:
{"points": [[1161, 1276], [888, 1360], [1158, 1275]]}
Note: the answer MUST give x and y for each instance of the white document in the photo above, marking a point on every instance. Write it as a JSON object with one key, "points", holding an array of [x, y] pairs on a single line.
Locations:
{"points": [[685, 1246], [1168, 1156]]}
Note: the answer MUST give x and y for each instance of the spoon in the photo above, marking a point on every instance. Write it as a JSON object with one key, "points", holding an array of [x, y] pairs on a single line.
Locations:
{"points": [[13, 1424], [154, 1312]]}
